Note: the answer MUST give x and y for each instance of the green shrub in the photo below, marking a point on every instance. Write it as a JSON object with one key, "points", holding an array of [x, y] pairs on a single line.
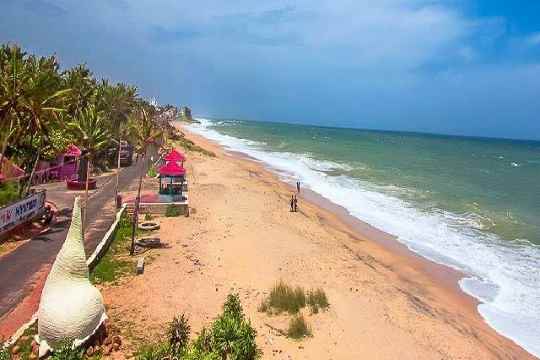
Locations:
{"points": [[66, 351], [172, 211], [178, 333], [9, 192], [263, 306], [298, 328], [5, 354], [156, 351], [152, 172], [203, 343], [285, 298], [317, 299], [148, 217], [233, 306], [230, 337], [234, 338], [195, 354]]}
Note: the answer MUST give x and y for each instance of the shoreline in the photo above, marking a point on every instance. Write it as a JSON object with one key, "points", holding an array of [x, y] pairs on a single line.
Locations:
{"points": [[441, 278], [445, 275]]}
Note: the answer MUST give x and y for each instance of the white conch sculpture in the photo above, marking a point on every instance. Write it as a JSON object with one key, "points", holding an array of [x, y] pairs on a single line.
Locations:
{"points": [[71, 307]]}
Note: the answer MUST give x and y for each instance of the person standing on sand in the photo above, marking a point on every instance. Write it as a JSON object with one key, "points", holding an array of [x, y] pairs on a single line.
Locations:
{"points": [[295, 204], [292, 203], [298, 186]]}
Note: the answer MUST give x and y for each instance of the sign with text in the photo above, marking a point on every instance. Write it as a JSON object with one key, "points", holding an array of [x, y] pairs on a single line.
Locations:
{"points": [[21, 211]]}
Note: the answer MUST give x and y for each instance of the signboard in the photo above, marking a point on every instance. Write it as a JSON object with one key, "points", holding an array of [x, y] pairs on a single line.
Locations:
{"points": [[21, 211]]}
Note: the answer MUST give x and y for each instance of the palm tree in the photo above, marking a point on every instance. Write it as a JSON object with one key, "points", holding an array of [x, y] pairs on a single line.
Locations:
{"points": [[13, 76], [145, 133], [83, 88], [118, 102], [88, 130], [40, 103]]}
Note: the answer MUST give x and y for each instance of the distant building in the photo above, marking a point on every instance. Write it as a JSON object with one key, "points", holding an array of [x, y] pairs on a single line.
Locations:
{"points": [[185, 113]]}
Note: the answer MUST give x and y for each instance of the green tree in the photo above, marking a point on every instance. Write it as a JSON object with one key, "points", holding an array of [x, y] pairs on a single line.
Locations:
{"points": [[40, 104], [145, 132]]}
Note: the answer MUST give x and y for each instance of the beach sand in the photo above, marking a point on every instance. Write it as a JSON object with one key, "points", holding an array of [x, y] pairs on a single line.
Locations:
{"points": [[385, 302]]}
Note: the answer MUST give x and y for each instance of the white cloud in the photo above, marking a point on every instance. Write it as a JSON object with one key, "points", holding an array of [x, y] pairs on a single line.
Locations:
{"points": [[534, 39]]}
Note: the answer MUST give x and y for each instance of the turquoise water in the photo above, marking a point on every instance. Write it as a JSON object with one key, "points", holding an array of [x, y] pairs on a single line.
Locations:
{"points": [[496, 182], [470, 203]]}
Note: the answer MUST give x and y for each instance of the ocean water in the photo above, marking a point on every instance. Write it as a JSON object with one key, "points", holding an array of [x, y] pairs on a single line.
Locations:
{"points": [[469, 203]]}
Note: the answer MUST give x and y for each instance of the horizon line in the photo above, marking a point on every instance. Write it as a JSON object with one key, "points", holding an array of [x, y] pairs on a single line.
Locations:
{"points": [[416, 132]]}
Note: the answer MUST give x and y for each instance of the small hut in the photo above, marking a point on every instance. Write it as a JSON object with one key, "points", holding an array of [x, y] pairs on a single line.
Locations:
{"points": [[176, 156], [171, 178]]}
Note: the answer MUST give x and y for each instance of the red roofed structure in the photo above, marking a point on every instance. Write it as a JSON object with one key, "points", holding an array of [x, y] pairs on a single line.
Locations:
{"points": [[174, 155]]}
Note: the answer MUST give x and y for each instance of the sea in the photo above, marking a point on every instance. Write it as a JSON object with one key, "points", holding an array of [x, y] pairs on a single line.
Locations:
{"points": [[469, 203]]}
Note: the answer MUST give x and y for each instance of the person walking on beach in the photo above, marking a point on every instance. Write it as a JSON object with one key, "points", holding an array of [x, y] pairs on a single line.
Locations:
{"points": [[298, 186], [295, 204], [292, 203]]}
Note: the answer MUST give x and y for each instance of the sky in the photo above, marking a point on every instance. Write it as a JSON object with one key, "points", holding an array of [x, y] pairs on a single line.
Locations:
{"points": [[464, 67]]}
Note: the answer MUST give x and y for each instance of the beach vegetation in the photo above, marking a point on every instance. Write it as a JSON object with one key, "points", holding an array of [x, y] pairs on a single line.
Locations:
{"points": [[317, 299], [66, 351], [152, 172], [285, 298], [9, 192], [189, 145], [115, 263], [4, 353], [231, 336], [298, 328], [24, 345], [178, 333], [172, 211], [148, 217]]}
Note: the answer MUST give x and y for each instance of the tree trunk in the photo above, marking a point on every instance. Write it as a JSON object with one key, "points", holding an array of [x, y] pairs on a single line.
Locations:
{"points": [[4, 147], [136, 209], [5, 144], [29, 185], [117, 170], [86, 191]]}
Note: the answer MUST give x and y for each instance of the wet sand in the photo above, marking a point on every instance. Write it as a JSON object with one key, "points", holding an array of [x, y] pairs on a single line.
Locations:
{"points": [[386, 302]]}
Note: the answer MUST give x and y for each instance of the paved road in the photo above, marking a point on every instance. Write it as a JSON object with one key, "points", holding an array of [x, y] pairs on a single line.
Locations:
{"points": [[18, 268]]}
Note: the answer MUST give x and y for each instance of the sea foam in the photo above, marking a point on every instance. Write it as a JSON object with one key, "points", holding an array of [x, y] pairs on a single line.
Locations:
{"points": [[503, 276]]}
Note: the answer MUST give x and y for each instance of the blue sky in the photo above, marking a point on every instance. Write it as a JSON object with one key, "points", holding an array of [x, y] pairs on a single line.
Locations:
{"points": [[457, 67]]}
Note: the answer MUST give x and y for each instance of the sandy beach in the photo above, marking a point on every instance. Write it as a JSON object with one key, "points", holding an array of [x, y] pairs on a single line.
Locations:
{"points": [[385, 302]]}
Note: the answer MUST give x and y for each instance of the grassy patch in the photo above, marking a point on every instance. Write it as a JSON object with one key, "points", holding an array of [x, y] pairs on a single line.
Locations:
{"points": [[317, 299], [298, 328], [67, 352], [191, 146], [116, 261], [285, 298], [24, 344]]}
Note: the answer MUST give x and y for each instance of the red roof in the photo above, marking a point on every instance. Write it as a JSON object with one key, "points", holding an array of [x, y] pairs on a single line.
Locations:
{"points": [[174, 155], [72, 150], [172, 169]]}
